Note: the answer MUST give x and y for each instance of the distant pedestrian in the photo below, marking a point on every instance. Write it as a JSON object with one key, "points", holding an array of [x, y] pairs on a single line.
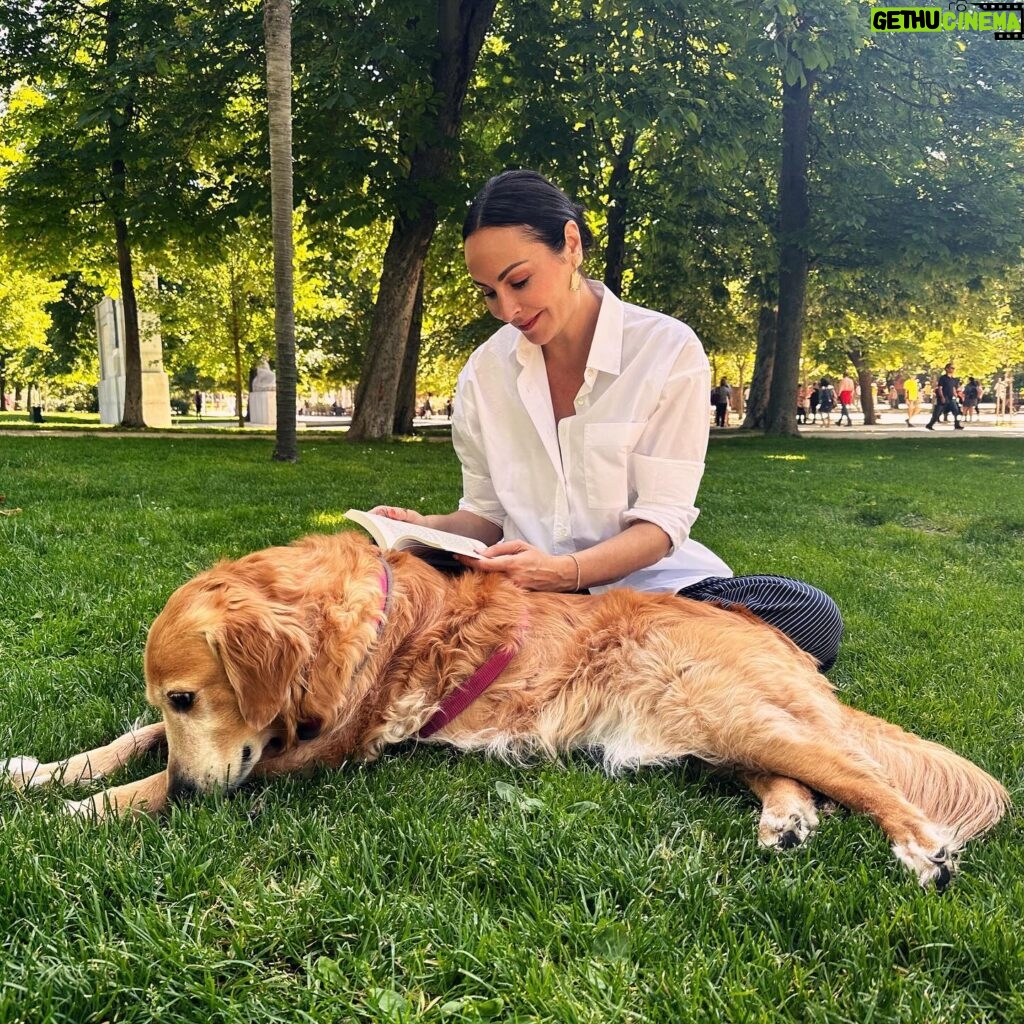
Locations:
{"points": [[912, 390], [720, 398], [35, 404], [801, 404], [826, 400], [1000, 391], [972, 395], [945, 400], [812, 402], [846, 389], [197, 400]]}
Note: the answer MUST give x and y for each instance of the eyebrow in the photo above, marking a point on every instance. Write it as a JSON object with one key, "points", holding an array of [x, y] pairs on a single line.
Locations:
{"points": [[501, 277]]}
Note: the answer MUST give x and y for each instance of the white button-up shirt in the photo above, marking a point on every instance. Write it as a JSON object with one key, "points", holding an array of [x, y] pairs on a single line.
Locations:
{"points": [[634, 450]]}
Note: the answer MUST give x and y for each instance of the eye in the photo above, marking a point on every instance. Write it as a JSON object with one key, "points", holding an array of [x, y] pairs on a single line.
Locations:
{"points": [[519, 285], [181, 700]]}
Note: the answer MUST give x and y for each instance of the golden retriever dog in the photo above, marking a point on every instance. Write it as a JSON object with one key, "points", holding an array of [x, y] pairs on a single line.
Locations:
{"points": [[329, 650]]}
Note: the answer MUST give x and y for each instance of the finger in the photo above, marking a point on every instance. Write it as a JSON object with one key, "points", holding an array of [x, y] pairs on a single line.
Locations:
{"points": [[483, 564], [390, 512], [506, 547]]}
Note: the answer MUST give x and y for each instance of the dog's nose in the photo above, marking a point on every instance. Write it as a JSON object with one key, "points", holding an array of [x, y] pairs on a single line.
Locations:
{"points": [[181, 788]]}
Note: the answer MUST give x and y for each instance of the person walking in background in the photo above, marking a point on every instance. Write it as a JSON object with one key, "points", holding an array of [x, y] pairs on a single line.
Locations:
{"points": [[972, 396], [720, 398], [1000, 392], [912, 390], [945, 400], [801, 404], [35, 403], [845, 400], [826, 400], [812, 402], [197, 399]]}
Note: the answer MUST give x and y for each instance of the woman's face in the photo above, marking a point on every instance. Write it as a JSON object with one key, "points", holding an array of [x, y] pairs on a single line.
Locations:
{"points": [[523, 282]]}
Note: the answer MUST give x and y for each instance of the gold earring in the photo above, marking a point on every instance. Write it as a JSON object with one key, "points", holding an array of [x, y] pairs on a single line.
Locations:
{"points": [[576, 279]]}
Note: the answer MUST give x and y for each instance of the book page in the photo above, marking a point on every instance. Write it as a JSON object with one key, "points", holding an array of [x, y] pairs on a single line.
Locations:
{"points": [[392, 533]]}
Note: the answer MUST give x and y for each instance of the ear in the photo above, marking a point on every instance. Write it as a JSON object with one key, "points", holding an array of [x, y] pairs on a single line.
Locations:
{"points": [[573, 240], [262, 648]]}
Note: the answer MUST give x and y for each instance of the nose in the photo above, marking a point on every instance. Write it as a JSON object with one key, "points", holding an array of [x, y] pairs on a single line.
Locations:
{"points": [[181, 788], [507, 307]]}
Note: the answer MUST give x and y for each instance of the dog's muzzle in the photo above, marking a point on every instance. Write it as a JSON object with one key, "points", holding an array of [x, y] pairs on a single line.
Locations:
{"points": [[181, 788]]}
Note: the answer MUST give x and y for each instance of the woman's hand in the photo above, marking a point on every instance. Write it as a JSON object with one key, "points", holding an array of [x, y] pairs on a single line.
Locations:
{"points": [[526, 566], [404, 515]]}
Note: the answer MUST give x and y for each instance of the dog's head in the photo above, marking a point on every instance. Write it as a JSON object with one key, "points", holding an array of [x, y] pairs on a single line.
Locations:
{"points": [[254, 655]]}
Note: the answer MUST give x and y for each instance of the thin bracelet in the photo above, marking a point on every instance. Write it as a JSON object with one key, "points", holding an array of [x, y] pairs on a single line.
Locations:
{"points": [[577, 564]]}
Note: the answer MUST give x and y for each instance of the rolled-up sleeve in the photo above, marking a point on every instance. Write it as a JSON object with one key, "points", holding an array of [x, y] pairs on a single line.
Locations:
{"points": [[667, 462]]}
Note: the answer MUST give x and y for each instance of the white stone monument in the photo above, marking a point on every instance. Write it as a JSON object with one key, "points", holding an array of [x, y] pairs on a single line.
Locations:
{"points": [[156, 386], [263, 397]]}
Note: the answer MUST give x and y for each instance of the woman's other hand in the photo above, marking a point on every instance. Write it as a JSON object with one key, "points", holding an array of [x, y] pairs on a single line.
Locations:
{"points": [[404, 515]]}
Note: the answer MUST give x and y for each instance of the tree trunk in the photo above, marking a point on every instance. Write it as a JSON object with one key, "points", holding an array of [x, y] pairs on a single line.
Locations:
{"points": [[462, 25], [764, 368], [794, 220], [236, 344], [376, 396], [132, 413], [117, 127], [405, 407], [866, 382], [618, 214], [277, 30]]}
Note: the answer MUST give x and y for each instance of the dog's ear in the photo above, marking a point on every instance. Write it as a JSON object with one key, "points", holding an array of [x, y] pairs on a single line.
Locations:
{"points": [[262, 648]]}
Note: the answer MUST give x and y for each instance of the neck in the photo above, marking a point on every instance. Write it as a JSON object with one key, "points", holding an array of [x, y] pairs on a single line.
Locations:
{"points": [[570, 349]]}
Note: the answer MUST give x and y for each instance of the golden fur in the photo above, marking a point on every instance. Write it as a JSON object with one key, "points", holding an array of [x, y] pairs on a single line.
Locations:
{"points": [[283, 659]]}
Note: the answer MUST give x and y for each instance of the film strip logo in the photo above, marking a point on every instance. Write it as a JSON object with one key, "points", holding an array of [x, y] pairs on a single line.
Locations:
{"points": [[1017, 8]]}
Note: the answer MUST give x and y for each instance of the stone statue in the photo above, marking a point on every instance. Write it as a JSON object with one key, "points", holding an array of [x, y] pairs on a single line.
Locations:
{"points": [[265, 379]]}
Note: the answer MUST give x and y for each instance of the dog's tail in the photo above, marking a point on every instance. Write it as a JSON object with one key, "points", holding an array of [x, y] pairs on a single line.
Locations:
{"points": [[948, 788]]}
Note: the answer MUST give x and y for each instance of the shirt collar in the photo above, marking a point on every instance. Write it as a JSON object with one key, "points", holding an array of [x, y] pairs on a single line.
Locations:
{"points": [[606, 348]]}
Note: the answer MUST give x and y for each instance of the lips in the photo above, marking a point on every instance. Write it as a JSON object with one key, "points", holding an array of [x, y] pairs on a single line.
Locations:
{"points": [[527, 325]]}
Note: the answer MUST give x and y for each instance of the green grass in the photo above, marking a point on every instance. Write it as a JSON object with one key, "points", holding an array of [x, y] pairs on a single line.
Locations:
{"points": [[436, 887]]}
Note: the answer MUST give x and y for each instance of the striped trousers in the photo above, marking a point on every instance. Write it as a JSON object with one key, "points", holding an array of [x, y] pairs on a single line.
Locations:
{"points": [[808, 616]]}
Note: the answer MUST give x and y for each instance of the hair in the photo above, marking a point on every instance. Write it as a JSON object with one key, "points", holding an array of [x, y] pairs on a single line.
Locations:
{"points": [[527, 200]]}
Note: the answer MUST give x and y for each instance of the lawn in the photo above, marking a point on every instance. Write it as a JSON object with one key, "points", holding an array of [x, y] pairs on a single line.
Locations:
{"points": [[441, 888]]}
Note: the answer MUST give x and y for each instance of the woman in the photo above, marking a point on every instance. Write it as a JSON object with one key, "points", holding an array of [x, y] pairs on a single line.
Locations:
{"points": [[581, 426]]}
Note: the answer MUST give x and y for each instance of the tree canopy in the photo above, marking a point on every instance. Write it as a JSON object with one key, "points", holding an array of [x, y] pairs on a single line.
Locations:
{"points": [[133, 135]]}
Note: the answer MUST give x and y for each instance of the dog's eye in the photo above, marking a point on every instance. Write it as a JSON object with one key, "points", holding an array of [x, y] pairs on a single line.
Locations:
{"points": [[181, 700]]}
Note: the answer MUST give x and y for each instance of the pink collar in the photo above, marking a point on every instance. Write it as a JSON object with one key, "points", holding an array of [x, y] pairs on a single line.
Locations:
{"points": [[386, 582], [454, 703]]}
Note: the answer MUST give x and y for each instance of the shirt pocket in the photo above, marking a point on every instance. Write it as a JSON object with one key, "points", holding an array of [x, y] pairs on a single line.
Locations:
{"points": [[606, 451]]}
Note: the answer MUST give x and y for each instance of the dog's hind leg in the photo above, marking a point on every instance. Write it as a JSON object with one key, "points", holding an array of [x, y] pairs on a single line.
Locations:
{"points": [[855, 781], [24, 772], [789, 812]]}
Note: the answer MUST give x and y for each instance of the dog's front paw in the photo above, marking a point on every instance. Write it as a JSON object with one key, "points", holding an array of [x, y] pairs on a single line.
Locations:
{"points": [[23, 772], [86, 809], [782, 831]]}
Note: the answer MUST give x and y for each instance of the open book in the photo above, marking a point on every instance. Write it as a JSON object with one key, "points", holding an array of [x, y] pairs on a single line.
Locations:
{"points": [[392, 534]]}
